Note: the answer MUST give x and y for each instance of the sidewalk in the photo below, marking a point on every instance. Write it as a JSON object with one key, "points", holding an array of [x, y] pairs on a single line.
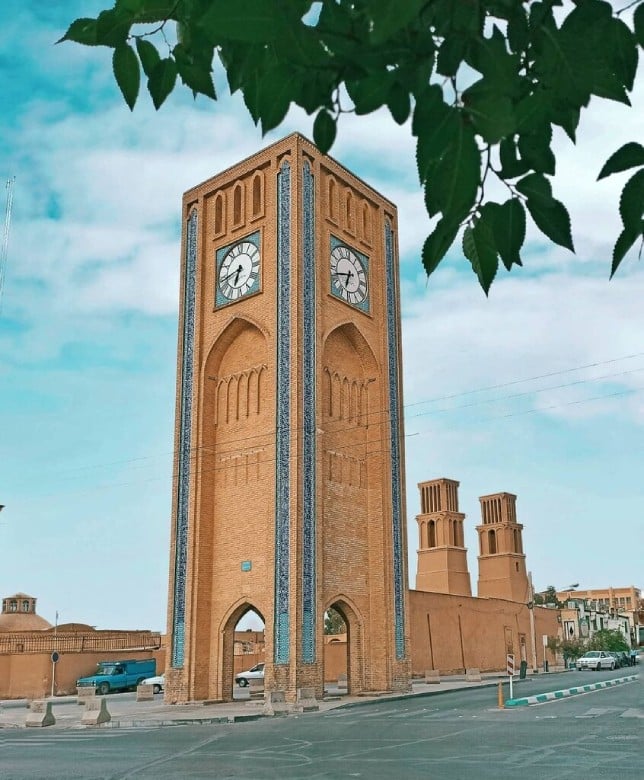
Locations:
{"points": [[126, 712]]}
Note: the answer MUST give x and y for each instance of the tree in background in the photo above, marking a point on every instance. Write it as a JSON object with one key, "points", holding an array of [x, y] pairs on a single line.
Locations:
{"points": [[607, 639], [485, 83], [334, 622]]}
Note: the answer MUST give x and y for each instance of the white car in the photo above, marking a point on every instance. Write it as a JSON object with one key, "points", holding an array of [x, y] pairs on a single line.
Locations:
{"points": [[157, 683], [596, 659], [254, 673]]}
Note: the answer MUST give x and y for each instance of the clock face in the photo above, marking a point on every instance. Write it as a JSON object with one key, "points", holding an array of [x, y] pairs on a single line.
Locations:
{"points": [[239, 270], [348, 275]]}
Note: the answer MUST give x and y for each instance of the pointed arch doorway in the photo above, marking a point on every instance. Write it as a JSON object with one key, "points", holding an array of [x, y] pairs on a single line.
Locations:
{"points": [[343, 666], [243, 653]]}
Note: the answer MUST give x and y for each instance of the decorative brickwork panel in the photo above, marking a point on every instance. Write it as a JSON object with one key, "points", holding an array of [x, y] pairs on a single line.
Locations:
{"points": [[309, 418], [283, 434], [394, 427], [185, 432]]}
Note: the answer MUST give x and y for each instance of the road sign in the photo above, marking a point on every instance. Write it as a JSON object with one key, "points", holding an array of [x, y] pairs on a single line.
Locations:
{"points": [[510, 664]]}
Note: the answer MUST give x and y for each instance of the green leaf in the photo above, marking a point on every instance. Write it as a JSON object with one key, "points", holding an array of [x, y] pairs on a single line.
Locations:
{"points": [[276, 90], [81, 31], [631, 202], [627, 156], [511, 165], [435, 124], [162, 81], [623, 52], [127, 73], [324, 130], [253, 21], [437, 244], [552, 219], [535, 186], [195, 74], [399, 102], [480, 250], [453, 181], [624, 242], [534, 148], [490, 57], [370, 93], [518, 30], [389, 16], [508, 226], [113, 27], [638, 23], [148, 55], [451, 54], [490, 112]]}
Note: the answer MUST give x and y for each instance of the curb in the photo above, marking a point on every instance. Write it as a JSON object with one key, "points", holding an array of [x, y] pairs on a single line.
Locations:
{"points": [[553, 695]]}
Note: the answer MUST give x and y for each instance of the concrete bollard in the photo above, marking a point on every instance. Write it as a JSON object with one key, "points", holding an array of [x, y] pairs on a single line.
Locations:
{"points": [[275, 703], [40, 714], [95, 712], [306, 701], [432, 676], [473, 675], [84, 693], [255, 687], [342, 682], [145, 692]]}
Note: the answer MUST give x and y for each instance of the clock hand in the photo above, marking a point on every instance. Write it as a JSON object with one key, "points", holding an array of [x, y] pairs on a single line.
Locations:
{"points": [[232, 273], [239, 268], [348, 274]]}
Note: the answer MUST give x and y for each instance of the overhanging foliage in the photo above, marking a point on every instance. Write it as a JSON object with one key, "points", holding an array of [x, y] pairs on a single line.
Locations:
{"points": [[484, 82]]}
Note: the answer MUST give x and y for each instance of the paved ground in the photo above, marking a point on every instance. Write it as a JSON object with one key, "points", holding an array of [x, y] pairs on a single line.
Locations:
{"points": [[594, 736], [126, 712]]}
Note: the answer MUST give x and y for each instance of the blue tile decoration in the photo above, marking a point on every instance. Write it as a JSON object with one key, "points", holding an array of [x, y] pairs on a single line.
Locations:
{"points": [[185, 428], [394, 390], [283, 414], [363, 305], [220, 254], [309, 424]]}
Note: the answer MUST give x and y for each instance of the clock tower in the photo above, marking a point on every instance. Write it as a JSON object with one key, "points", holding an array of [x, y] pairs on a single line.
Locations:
{"points": [[289, 469]]}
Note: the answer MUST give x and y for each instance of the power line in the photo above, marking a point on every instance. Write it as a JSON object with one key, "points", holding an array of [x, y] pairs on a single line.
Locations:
{"points": [[200, 473], [343, 426], [4, 250]]}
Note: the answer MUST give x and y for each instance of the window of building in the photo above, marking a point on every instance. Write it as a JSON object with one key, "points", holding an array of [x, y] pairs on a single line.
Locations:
{"points": [[25, 606], [219, 214], [258, 187], [237, 205], [13, 606]]}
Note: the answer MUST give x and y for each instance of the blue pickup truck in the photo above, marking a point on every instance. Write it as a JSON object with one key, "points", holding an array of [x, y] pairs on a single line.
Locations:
{"points": [[118, 675]]}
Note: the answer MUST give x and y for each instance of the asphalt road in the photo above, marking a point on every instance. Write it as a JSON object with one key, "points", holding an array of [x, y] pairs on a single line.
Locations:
{"points": [[458, 735]]}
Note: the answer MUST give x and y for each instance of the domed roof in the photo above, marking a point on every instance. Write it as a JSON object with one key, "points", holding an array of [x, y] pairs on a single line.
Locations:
{"points": [[19, 614], [22, 621]]}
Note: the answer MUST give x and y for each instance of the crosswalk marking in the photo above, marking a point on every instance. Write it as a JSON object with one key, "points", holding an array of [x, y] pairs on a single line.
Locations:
{"points": [[634, 712]]}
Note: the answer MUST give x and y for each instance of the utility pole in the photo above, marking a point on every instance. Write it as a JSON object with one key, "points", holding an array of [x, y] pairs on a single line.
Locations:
{"points": [[533, 638]]}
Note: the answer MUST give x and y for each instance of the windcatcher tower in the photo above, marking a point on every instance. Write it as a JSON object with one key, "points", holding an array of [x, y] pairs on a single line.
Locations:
{"points": [[442, 555], [289, 460], [502, 570]]}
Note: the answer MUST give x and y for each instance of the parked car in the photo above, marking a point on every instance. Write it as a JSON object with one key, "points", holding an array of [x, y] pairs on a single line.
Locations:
{"points": [[118, 675], [596, 659], [620, 660], [157, 683], [255, 673]]}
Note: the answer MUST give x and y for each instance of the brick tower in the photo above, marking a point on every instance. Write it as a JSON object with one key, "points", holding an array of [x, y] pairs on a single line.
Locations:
{"points": [[502, 571], [289, 461], [442, 555]]}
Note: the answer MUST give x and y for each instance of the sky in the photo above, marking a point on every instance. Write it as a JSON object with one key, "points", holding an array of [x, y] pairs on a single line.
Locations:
{"points": [[536, 390]]}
